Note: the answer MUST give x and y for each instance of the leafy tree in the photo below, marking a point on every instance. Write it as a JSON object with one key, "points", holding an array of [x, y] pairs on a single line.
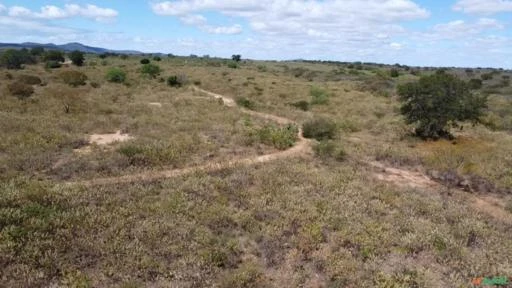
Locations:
{"points": [[53, 55], [237, 57], [144, 61], [77, 57], [13, 59], [438, 101], [151, 70], [37, 51]]}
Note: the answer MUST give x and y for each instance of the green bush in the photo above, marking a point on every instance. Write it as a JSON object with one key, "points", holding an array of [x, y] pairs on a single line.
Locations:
{"points": [[53, 64], [318, 96], [145, 61], [246, 103], [157, 58], [116, 75], [319, 129], [150, 70], [232, 65], [77, 57], [177, 80], [37, 51], [438, 101], [487, 76], [20, 90], [394, 73], [281, 138], [302, 105], [29, 79], [73, 78], [328, 149], [475, 84]]}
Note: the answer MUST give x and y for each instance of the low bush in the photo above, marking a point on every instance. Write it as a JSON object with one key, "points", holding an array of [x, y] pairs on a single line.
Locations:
{"points": [[53, 64], [475, 83], [150, 70], [177, 80], [302, 105], [328, 149], [487, 76], [394, 73], [319, 129], [29, 79], [319, 96], [20, 90], [116, 75], [95, 85], [73, 78], [144, 61], [157, 58], [246, 103], [281, 138], [232, 65], [53, 55]]}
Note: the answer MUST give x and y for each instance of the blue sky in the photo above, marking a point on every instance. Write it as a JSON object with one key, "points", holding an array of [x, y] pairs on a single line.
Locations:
{"points": [[414, 32]]}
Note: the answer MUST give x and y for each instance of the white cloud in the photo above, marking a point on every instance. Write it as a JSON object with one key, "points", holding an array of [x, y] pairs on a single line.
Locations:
{"points": [[462, 29], [2, 8], [69, 10], [15, 25], [234, 29], [483, 7]]}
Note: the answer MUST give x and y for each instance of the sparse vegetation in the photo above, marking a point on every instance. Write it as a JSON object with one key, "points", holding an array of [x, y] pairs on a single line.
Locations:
{"points": [[358, 210], [29, 79]]}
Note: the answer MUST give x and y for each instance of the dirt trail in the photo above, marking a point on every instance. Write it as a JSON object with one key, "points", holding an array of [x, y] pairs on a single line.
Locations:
{"points": [[490, 205], [301, 147]]}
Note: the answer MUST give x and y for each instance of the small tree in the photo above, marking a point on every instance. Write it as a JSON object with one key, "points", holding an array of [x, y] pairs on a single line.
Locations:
{"points": [[12, 59], [237, 57], [438, 101], [53, 55], [394, 73], [144, 61], [157, 58], [77, 57]]}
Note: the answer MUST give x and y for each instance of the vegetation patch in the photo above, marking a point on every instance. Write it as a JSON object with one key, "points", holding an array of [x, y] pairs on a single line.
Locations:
{"points": [[73, 78], [116, 75], [29, 79], [320, 129], [20, 90]]}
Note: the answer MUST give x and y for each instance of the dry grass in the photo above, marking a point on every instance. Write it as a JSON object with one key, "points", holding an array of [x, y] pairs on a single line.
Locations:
{"points": [[314, 221]]}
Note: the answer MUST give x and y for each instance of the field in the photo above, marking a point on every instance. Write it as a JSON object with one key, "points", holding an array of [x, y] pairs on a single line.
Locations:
{"points": [[212, 192]]}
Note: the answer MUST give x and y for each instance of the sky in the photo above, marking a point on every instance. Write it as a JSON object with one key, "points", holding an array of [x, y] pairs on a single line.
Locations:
{"points": [[464, 33]]}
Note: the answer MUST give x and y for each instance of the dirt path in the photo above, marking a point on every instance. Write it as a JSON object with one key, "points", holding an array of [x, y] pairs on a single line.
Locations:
{"points": [[301, 147], [490, 205]]}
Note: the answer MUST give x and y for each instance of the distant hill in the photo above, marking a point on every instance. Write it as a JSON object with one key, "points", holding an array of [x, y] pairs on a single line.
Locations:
{"points": [[66, 47]]}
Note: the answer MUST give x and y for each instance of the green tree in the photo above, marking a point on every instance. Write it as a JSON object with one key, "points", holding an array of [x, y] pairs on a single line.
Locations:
{"points": [[77, 57], [237, 57], [116, 75], [438, 101], [53, 55], [13, 59]]}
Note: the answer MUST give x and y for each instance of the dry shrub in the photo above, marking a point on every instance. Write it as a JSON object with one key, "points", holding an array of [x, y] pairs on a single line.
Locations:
{"points": [[20, 90], [29, 79], [73, 78]]}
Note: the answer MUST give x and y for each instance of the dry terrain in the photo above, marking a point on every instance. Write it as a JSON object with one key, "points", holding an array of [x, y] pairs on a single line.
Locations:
{"points": [[212, 184]]}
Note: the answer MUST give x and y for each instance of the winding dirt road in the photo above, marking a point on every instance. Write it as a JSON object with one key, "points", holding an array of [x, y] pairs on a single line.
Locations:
{"points": [[301, 147]]}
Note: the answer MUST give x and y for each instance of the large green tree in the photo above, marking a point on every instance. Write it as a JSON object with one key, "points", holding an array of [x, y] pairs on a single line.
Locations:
{"points": [[14, 59], [440, 101], [77, 57]]}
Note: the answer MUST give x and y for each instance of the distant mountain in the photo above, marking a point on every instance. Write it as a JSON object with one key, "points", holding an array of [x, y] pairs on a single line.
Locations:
{"points": [[66, 47]]}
